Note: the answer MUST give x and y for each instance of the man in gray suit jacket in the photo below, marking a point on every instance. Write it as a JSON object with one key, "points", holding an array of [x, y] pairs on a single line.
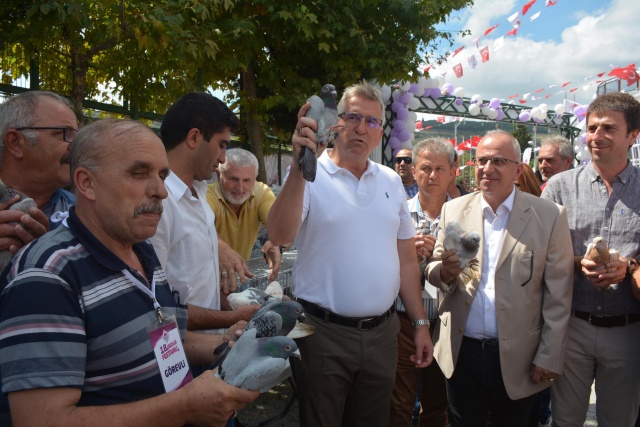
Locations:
{"points": [[504, 321]]}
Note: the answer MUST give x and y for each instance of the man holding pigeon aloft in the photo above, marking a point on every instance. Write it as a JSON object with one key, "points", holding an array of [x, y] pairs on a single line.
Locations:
{"points": [[504, 318], [356, 251]]}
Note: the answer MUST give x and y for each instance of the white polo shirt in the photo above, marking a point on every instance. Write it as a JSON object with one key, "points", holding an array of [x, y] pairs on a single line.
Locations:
{"points": [[347, 243]]}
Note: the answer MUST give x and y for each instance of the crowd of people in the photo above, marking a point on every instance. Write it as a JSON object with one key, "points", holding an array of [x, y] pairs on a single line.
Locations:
{"points": [[481, 309]]}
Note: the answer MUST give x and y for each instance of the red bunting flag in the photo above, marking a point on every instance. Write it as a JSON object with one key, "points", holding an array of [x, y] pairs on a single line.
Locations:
{"points": [[574, 89], [457, 51], [512, 32], [527, 6], [551, 3], [484, 52], [601, 74], [539, 90], [566, 84], [513, 96], [548, 96], [458, 70], [490, 29], [427, 128], [523, 101], [627, 73]]}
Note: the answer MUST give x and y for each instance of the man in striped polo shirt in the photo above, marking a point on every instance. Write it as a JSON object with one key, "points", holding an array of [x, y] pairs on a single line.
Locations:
{"points": [[89, 331]]}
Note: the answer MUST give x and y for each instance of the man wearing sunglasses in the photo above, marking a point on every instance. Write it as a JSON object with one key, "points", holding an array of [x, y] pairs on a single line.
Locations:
{"points": [[403, 167], [502, 331], [36, 131], [356, 251]]}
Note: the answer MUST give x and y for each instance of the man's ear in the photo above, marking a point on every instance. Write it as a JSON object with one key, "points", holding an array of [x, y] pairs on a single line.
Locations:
{"points": [[14, 143], [192, 138], [85, 183]]}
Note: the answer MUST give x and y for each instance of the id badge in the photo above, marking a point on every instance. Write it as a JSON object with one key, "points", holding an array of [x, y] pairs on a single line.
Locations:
{"points": [[170, 355]]}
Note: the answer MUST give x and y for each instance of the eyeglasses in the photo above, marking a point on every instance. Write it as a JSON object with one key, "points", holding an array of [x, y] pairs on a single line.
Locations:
{"points": [[355, 119], [497, 162], [67, 133], [407, 160]]}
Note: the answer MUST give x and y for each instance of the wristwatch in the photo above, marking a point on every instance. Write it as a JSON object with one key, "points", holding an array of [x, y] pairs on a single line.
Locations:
{"points": [[632, 266], [421, 322]]}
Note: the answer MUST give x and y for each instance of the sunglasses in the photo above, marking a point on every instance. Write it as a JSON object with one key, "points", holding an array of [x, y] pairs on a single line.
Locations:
{"points": [[407, 160]]}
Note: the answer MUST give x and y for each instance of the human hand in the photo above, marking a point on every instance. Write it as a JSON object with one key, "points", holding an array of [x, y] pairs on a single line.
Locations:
{"points": [[18, 228], [450, 267], [539, 374], [246, 312], [231, 263], [424, 347], [273, 257], [305, 133], [211, 402], [424, 246], [598, 274]]}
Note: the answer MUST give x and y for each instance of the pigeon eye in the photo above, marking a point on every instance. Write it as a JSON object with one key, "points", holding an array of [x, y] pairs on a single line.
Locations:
{"points": [[287, 347]]}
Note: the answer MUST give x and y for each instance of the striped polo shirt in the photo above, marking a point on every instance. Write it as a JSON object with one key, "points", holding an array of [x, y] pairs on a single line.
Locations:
{"points": [[69, 317]]}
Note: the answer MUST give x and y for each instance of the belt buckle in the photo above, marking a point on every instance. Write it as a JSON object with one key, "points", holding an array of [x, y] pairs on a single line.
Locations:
{"points": [[361, 323], [589, 319]]}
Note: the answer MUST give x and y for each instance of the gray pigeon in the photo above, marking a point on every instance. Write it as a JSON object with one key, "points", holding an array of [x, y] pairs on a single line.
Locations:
{"points": [[324, 111], [257, 363], [466, 244], [24, 204], [275, 318]]}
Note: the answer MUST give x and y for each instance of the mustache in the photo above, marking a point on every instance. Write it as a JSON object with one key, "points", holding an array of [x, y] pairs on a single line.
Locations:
{"points": [[65, 159], [154, 207]]}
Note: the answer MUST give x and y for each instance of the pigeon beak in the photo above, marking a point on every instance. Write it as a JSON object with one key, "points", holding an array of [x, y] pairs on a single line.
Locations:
{"points": [[334, 93], [297, 354]]}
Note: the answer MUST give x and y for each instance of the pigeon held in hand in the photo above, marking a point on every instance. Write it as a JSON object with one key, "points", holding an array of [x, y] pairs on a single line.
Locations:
{"points": [[257, 363], [324, 111], [24, 205], [598, 252], [466, 244]]}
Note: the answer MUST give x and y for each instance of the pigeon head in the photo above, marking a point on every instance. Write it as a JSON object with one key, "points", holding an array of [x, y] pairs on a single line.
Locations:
{"points": [[471, 241], [328, 91], [289, 310], [278, 347]]}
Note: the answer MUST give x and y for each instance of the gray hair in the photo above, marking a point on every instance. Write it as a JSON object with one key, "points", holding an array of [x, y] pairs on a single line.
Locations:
{"points": [[565, 149], [363, 90], [435, 146], [516, 146], [19, 112], [89, 145], [239, 157]]}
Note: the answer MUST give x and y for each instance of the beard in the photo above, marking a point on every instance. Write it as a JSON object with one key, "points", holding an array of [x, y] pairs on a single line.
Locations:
{"points": [[235, 200]]}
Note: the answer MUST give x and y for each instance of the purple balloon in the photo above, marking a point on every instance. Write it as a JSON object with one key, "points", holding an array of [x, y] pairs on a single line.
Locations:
{"points": [[415, 89], [447, 87], [494, 103], [402, 113], [500, 115], [404, 135], [427, 92], [396, 105], [394, 143], [458, 101], [404, 98], [524, 116], [537, 120], [436, 93], [398, 124], [579, 110], [394, 132]]}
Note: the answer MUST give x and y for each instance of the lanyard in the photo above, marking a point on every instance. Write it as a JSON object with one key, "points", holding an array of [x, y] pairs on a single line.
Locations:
{"points": [[151, 293]]}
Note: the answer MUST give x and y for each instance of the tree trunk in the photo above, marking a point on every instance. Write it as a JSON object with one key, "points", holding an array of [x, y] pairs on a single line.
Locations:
{"points": [[79, 67], [253, 127]]}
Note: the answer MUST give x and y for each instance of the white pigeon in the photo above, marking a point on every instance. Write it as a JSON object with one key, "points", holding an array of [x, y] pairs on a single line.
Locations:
{"points": [[597, 251], [466, 244], [257, 363], [255, 296]]}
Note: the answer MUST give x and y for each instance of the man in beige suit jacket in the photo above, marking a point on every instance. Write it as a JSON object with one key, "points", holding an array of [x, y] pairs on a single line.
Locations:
{"points": [[503, 327]]}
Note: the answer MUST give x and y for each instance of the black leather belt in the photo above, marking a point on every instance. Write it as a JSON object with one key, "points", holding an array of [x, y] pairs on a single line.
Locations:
{"points": [[487, 345], [362, 323], [606, 321]]}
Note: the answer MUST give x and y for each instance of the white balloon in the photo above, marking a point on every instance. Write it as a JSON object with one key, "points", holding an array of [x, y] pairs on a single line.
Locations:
{"points": [[405, 85], [459, 92], [485, 110], [431, 83], [492, 114], [535, 112], [414, 103], [422, 83], [396, 94], [474, 109], [440, 80], [407, 143], [411, 120], [559, 109], [544, 107], [476, 99], [385, 91]]}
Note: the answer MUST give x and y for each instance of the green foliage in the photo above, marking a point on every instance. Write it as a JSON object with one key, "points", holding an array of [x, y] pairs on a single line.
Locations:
{"points": [[522, 134]]}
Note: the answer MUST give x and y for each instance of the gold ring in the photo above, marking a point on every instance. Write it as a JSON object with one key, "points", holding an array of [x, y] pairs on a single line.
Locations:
{"points": [[223, 274], [300, 131]]}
